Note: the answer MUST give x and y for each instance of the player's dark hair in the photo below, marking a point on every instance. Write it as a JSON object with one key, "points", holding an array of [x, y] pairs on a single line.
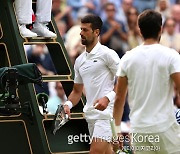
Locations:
{"points": [[150, 23], [94, 20]]}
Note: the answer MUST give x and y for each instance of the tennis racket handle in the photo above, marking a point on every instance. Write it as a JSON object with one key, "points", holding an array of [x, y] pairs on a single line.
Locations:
{"points": [[66, 116], [115, 129], [120, 152]]}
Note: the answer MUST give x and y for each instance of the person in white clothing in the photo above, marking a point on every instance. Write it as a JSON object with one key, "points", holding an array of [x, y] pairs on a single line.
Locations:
{"points": [[170, 37], [149, 72], [95, 70], [23, 10]]}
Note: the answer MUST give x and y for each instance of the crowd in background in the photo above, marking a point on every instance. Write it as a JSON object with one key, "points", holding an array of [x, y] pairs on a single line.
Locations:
{"points": [[119, 31]]}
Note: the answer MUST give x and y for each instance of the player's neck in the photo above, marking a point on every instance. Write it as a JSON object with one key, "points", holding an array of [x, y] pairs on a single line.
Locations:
{"points": [[150, 41], [91, 46]]}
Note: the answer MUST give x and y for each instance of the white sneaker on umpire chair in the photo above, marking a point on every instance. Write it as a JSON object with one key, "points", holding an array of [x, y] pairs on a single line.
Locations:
{"points": [[26, 32], [41, 29]]}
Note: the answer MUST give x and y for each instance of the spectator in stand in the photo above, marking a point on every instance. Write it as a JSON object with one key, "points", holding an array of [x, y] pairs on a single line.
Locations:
{"points": [[56, 100], [172, 2], [142, 5], [39, 55], [74, 46], [170, 37], [75, 5], [113, 32], [122, 12], [89, 6], [134, 38], [84, 6], [176, 16], [177, 1], [63, 15], [62, 28], [163, 7]]}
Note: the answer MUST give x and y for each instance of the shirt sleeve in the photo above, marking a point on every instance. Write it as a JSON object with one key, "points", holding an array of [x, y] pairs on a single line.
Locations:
{"points": [[113, 61], [175, 62], [77, 78]]}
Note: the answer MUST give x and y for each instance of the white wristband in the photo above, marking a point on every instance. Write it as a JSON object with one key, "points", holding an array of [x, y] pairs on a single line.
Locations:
{"points": [[118, 129], [69, 103], [111, 95]]}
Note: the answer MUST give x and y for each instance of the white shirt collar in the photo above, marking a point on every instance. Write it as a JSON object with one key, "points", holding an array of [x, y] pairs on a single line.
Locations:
{"points": [[95, 49]]}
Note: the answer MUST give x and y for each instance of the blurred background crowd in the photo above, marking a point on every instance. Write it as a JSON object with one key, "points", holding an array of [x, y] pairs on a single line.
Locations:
{"points": [[119, 32], [119, 16]]}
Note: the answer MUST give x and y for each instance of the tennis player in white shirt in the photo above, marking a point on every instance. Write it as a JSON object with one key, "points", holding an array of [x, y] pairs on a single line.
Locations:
{"points": [[149, 72], [95, 70]]}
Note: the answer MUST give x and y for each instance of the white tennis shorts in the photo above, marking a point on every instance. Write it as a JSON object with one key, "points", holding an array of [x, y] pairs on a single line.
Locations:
{"points": [[100, 129], [167, 142]]}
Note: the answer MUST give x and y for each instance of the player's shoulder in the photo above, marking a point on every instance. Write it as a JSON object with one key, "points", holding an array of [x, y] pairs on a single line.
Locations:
{"points": [[107, 51], [167, 51], [80, 59], [132, 52], [164, 48], [81, 56], [154, 47]]}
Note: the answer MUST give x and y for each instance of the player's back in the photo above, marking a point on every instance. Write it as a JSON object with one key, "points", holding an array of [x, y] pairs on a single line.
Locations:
{"points": [[150, 89]]}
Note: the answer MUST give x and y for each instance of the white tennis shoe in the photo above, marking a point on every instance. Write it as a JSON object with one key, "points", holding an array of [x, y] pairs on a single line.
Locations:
{"points": [[41, 29], [25, 32]]}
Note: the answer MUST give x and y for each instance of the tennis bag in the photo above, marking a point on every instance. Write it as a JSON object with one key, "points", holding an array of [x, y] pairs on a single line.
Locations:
{"points": [[27, 73], [10, 79]]}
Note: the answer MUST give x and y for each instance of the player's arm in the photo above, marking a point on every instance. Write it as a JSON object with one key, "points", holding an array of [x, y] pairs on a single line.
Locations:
{"points": [[112, 63], [102, 103], [120, 98], [74, 97], [176, 78]]}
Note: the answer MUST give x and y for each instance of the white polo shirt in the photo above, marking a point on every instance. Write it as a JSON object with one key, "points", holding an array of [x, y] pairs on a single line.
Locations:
{"points": [[97, 70], [150, 88]]}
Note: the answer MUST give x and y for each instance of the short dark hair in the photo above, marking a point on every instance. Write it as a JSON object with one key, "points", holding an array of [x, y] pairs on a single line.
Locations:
{"points": [[96, 22], [150, 23]]}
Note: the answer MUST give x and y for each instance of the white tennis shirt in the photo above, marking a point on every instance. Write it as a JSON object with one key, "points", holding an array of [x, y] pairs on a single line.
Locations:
{"points": [[150, 88], [97, 70]]}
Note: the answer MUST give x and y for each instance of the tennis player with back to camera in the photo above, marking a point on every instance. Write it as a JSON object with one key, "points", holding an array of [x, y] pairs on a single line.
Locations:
{"points": [[149, 72], [95, 71]]}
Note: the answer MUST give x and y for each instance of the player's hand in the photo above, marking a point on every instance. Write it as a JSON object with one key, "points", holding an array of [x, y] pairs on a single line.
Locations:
{"points": [[101, 104], [67, 110], [118, 142], [120, 137]]}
